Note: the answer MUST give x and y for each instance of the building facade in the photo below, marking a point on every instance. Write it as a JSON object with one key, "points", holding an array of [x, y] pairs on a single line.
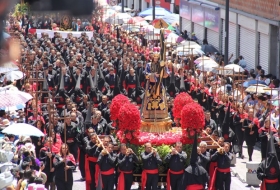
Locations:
{"points": [[253, 32]]}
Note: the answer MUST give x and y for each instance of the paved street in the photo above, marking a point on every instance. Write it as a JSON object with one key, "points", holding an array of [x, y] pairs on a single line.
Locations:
{"points": [[236, 184]]}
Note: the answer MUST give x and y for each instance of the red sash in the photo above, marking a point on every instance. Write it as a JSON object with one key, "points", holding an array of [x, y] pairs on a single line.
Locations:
{"points": [[121, 184], [263, 185], [212, 167], [213, 180], [89, 159], [130, 86], [144, 176], [195, 187], [168, 176], [108, 172], [112, 86]]}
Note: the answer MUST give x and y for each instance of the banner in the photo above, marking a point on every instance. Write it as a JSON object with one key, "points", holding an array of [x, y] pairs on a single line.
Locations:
{"points": [[198, 14], [212, 19], [185, 9]]}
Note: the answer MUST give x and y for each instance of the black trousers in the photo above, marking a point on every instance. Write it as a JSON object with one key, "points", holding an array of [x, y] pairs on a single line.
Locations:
{"points": [[63, 185], [82, 163], [152, 181], [73, 149], [92, 174], [128, 180], [250, 149], [175, 180], [108, 181], [223, 181]]}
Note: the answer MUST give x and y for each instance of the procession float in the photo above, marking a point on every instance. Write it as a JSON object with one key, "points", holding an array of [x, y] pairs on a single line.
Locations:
{"points": [[153, 123]]}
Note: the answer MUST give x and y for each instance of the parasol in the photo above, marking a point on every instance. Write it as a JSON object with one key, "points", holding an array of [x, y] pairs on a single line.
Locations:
{"points": [[7, 67], [12, 98], [23, 129], [14, 75]]}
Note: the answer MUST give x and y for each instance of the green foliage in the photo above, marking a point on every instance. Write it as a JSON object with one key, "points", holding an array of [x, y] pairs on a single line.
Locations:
{"points": [[21, 9]]}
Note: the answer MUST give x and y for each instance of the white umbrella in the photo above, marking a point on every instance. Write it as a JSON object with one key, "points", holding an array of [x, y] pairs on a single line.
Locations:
{"points": [[118, 18], [11, 98], [14, 75], [172, 38], [234, 67], [119, 8], [7, 67], [23, 129], [189, 52], [208, 66], [186, 43], [188, 47], [260, 88]]}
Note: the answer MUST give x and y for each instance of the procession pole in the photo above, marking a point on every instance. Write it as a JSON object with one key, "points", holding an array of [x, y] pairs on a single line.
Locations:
{"points": [[65, 142]]}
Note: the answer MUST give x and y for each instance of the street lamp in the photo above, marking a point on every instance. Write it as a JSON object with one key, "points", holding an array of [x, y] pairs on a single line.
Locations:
{"points": [[226, 32], [154, 9]]}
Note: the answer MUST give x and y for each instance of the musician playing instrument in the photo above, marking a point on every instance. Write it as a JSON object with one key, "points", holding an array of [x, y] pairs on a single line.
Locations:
{"points": [[151, 160], [176, 160], [126, 160], [107, 163], [222, 176]]}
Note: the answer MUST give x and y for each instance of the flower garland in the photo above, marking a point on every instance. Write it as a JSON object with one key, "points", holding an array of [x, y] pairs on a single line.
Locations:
{"points": [[117, 102], [179, 102], [129, 121], [192, 119]]}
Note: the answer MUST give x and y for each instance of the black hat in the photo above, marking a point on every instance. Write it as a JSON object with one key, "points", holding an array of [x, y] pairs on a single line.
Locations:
{"points": [[271, 164], [193, 159], [226, 123], [172, 89]]}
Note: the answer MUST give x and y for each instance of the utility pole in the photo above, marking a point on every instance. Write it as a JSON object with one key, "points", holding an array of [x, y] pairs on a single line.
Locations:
{"points": [[122, 6], [154, 9], [226, 32]]}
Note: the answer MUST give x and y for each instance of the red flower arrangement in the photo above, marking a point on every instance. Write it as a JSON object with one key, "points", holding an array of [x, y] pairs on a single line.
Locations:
{"points": [[179, 102], [192, 119], [117, 102], [129, 121]]}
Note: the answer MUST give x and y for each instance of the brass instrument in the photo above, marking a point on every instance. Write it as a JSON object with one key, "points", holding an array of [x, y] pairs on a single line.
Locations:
{"points": [[220, 149], [102, 145]]}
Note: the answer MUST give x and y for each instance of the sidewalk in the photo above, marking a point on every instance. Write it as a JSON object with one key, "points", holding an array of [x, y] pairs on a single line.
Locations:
{"points": [[240, 170]]}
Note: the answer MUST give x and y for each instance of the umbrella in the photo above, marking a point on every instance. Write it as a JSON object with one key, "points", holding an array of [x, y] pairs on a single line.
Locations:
{"points": [[17, 107], [172, 38], [187, 43], [257, 88], [119, 8], [159, 23], [11, 98], [189, 52], [135, 20], [14, 75], [234, 67], [23, 129], [252, 82], [172, 18], [208, 66], [187, 47], [204, 58], [159, 12], [170, 27], [209, 49], [230, 69], [9, 66], [118, 18]]}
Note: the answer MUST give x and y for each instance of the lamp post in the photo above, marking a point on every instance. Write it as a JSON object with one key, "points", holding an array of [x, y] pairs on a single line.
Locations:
{"points": [[122, 6], [154, 9], [226, 32]]}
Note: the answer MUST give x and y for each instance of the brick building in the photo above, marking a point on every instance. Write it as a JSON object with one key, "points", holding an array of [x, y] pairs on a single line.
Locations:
{"points": [[253, 28]]}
